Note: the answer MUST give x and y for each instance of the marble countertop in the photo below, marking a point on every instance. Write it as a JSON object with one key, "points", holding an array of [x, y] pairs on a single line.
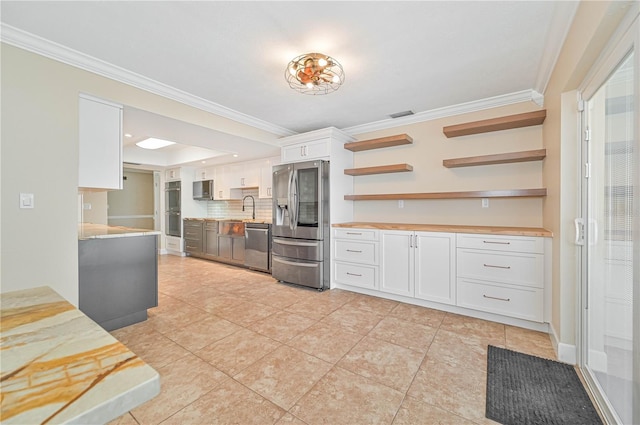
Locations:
{"points": [[58, 366], [102, 231], [451, 228]]}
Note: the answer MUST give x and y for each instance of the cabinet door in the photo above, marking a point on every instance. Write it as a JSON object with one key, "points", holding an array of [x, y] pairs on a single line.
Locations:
{"points": [[266, 180], [306, 151], [204, 174], [250, 174], [100, 144], [435, 267], [397, 262], [222, 183], [172, 174]]}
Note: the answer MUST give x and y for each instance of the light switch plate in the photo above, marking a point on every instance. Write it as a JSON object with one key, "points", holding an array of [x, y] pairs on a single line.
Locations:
{"points": [[26, 200]]}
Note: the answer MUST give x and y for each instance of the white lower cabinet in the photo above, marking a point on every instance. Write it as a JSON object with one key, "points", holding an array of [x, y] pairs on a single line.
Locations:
{"points": [[436, 267], [356, 257], [419, 265], [501, 275]]}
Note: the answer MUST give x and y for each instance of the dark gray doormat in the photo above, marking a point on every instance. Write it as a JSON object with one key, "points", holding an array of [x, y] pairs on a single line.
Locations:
{"points": [[524, 389]]}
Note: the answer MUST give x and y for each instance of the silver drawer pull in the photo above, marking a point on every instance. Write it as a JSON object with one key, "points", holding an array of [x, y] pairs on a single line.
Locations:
{"points": [[499, 243], [354, 274], [354, 233], [497, 267], [496, 298], [353, 250]]}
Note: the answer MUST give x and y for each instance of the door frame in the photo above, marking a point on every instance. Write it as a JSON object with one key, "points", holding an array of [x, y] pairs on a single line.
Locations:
{"points": [[625, 40]]}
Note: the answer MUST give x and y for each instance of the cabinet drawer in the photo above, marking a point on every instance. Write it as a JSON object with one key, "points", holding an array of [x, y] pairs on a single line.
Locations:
{"points": [[501, 243], [193, 234], [356, 275], [506, 267], [192, 246], [356, 252], [520, 302], [173, 244], [359, 234]]}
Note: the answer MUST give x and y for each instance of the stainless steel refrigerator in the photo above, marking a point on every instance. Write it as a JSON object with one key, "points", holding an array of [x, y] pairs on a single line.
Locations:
{"points": [[300, 244]]}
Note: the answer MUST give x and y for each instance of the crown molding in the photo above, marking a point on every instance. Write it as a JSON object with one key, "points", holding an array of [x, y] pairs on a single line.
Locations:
{"points": [[448, 111], [41, 46]]}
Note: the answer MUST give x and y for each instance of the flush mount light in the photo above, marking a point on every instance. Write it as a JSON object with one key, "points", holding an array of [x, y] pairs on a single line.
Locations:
{"points": [[153, 143], [314, 73]]}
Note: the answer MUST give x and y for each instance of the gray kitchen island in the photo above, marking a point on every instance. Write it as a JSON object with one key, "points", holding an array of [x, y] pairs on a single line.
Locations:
{"points": [[118, 273]]}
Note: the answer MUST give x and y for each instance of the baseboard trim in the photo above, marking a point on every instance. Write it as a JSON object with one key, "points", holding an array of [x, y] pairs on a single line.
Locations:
{"points": [[566, 353]]}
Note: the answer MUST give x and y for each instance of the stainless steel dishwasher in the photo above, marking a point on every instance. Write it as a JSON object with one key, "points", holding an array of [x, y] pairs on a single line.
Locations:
{"points": [[257, 246]]}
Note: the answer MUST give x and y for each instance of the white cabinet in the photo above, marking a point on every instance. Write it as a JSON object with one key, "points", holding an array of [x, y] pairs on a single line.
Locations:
{"points": [[306, 151], [435, 268], [266, 177], [396, 267], [356, 257], [243, 175], [222, 182], [419, 265], [205, 174], [100, 144], [172, 174], [502, 275]]}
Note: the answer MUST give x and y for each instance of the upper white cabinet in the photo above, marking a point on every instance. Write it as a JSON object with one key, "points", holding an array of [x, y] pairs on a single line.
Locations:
{"points": [[244, 174], [172, 174], [100, 147], [307, 151], [266, 176], [222, 182], [205, 174]]}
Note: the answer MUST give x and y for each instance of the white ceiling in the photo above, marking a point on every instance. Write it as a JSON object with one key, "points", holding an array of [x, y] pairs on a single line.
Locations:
{"points": [[230, 57]]}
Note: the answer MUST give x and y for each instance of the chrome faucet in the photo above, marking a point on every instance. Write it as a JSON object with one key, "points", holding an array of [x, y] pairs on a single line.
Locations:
{"points": [[253, 201]]}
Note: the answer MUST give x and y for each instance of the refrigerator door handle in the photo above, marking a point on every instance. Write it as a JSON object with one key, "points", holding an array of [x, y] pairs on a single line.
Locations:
{"points": [[292, 263], [290, 200], [294, 243], [293, 219]]}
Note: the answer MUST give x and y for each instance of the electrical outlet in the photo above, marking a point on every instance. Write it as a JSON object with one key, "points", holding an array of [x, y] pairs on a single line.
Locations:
{"points": [[485, 202], [401, 203]]}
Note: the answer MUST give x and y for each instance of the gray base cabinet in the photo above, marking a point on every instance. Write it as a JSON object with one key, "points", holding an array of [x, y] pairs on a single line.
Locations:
{"points": [[118, 279]]}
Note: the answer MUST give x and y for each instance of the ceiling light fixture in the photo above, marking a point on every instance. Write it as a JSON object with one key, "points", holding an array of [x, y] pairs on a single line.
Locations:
{"points": [[153, 143], [314, 73]]}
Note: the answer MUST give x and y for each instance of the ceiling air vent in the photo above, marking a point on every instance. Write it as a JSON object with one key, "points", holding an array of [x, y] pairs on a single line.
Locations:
{"points": [[401, 114]]}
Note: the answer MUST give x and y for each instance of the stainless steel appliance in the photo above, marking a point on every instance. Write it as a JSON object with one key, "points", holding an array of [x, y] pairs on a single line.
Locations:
{"points": [[173, 223], [300, 243], [203, 190], [257, 246]]}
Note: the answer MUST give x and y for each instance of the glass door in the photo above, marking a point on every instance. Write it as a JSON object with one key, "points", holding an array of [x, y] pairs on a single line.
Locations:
{"points": [[610, 349]]}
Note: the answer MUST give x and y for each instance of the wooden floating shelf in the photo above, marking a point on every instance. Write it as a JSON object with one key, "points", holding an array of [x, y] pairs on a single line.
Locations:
{"points": [[495, 124], [383, 142], [501, 158], [382, 169], [511, 193]]}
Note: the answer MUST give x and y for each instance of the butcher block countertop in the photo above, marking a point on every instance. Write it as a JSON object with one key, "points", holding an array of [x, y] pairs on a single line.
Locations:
{"points": [[58, 366], [451, 228]]}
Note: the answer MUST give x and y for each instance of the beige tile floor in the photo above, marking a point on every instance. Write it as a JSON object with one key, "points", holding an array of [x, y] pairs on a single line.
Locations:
{"points": [[234, 346]]}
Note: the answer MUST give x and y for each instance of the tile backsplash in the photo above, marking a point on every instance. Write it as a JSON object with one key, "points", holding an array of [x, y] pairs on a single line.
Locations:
{"points": [[233, 208]]}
